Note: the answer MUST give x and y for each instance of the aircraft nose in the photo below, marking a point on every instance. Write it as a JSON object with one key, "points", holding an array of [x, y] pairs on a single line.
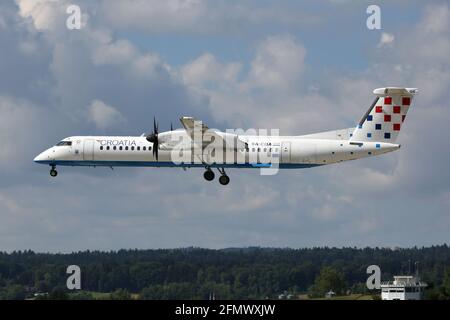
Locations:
{"points": [[43, 156], [39, 157]]}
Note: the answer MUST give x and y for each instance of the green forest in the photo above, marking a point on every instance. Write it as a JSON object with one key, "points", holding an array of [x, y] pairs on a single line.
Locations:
{"points": [[235, 273]]}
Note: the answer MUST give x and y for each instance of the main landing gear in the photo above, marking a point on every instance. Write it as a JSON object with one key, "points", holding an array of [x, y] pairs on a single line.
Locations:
{"points": [[53, 172], [223, 180], [208, 175]]}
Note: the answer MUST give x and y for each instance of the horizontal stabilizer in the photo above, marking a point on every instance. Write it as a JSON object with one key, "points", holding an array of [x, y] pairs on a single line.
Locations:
{"points": [[382, 92]]}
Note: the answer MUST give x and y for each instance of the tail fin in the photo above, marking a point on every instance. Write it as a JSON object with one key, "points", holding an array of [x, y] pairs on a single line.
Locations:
{"points": [[385, 117]]}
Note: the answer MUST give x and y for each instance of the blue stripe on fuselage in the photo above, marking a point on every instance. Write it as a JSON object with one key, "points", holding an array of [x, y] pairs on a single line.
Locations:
{"points": [[87, 163]]}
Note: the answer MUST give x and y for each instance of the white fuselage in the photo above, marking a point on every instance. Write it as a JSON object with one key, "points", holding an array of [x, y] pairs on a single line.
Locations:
{"points": [[260, 151], [198, 146]]}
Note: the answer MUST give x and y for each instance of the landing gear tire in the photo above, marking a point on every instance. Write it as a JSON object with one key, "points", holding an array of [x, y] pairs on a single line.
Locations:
{"points": [[208, 175], [53, 173], [224, 180]]}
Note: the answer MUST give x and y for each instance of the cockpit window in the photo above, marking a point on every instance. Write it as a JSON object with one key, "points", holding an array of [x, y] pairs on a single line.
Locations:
{"points": [[64, 143]]}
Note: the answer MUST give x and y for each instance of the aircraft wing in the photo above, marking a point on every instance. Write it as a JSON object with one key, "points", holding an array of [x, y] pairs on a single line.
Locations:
{"points": [[201, 133], [193, 125]]}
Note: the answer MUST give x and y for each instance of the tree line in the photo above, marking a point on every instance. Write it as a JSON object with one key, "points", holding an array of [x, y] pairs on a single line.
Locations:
{"points": [[235, 273]]}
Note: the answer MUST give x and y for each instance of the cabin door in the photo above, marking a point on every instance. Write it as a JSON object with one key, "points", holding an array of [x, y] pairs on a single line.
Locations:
{"points": [[286, 152], [88, 149]]}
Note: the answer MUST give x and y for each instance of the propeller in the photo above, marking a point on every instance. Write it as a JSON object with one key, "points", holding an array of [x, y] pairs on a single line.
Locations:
{"points": [[153, 138]]}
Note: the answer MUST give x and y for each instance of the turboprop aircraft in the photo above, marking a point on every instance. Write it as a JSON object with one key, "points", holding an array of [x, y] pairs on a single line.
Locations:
{"points": [[195, 145]]}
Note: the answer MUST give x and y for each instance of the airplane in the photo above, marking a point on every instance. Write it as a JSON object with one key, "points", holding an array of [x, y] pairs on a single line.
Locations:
{"points": [[195, 145]]}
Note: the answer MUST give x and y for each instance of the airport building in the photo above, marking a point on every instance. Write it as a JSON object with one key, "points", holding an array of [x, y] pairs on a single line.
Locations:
{"points": [[403, 288]]}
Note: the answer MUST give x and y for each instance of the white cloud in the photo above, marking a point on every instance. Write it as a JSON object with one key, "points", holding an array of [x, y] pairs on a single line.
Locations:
{"points": [[117, 52], [97, 74], [19, 124], [263, 96], [103, 115], [154, 15], [200, 16], [44, 14], [49, 15], [436, 20], [433, 35], [93, 63], [3, 23], [386, 39], [9, 203], [297, 110], [206, 69], [279, 63]]}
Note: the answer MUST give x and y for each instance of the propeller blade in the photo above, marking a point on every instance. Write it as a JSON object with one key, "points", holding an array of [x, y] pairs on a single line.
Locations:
{"points": [[171, 127], [155, 150], [153, 138]]}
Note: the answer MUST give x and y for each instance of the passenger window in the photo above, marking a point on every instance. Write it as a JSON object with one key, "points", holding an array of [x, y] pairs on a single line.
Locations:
{"points": [[120, 148], [149, 148], [138, 148], [114, 148], [126, 148], [144, 148], [107, 148], [253, 149], [132, 148], [101, 147]]}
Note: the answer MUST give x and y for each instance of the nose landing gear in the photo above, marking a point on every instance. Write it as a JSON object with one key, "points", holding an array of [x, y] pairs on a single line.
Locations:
{"points": [[53, 172]]}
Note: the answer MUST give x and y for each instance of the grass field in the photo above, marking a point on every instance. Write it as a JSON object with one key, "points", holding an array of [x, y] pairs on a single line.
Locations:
{"points": [[107, 296], [346, 297]]}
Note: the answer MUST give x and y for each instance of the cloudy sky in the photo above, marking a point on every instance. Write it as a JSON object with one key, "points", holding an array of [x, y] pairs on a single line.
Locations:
{"points": [[299, 66]]}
